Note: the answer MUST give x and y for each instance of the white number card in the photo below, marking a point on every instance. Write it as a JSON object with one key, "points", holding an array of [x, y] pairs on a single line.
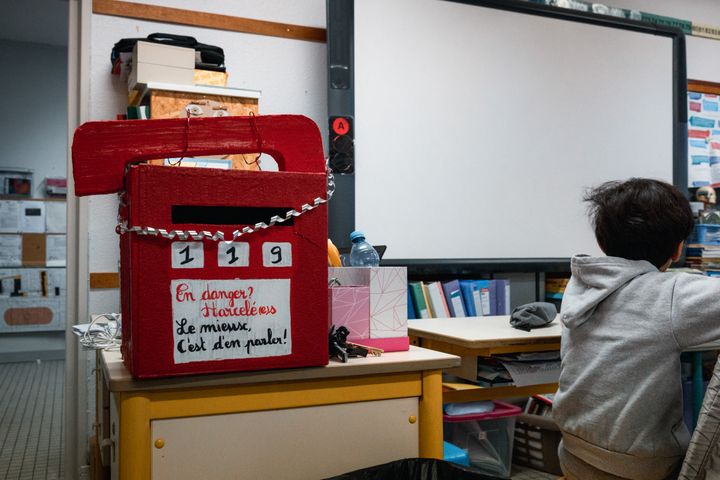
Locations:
{"points": [[188, 255], [277, 254], [235, 254]]}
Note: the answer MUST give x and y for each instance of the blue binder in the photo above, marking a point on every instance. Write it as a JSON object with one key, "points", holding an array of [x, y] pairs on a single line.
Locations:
{"points": [[454, 298], [410, 306], [468, 289], [490, 286]]}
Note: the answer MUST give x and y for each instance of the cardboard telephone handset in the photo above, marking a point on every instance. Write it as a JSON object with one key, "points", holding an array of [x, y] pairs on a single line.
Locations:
{"points": [[211, 279]]}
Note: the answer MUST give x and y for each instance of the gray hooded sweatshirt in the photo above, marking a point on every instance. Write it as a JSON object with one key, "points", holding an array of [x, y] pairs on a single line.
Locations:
{"points": [[619, 402]]}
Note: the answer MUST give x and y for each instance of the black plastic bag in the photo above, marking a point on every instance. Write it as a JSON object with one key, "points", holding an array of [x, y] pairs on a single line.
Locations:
{"points": [[416, 469]]}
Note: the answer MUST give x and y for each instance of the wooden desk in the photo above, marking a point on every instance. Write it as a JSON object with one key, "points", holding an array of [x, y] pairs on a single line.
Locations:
{"points": [[300, 423], [482, 336]]}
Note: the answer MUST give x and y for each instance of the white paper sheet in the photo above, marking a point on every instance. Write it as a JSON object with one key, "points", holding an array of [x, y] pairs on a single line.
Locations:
{"points": [[230, 319], [9, 216], [10, 251], [533, 373], [55, 248], [55, 217], [32, 216]]}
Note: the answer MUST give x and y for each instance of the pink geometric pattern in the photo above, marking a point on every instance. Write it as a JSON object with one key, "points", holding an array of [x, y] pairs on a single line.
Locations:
{"points": [[388, 296], [388, 302], [350, 307]]}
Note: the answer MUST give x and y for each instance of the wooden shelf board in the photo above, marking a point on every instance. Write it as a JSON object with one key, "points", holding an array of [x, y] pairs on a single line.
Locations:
{"points": [[488, 393]]}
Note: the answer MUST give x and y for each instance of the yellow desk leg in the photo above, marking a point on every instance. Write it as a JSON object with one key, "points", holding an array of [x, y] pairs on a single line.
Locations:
{"points": [[134, 411], [431, 426]]}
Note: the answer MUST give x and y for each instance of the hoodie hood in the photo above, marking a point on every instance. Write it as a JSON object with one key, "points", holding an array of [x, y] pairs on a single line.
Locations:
{"points": [[593, 280]]}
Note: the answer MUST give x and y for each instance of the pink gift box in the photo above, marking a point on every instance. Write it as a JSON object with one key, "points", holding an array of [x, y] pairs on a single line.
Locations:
{"points": [[350, 308], [388, 296], [388, 304]]}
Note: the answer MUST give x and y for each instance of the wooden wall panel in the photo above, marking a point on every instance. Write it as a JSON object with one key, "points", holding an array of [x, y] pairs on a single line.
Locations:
{"points": [[208, 20]]}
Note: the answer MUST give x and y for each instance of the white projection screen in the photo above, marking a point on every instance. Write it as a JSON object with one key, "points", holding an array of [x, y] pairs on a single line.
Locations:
{"points": [[478, 130]]}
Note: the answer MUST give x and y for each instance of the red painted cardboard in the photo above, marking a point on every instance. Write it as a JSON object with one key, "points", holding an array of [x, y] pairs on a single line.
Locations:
{"points": [[102, 150], [150, 323]]}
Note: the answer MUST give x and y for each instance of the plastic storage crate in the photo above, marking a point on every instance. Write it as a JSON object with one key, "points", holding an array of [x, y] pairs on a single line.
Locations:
{"points": [[487, 437], [536, 443]]}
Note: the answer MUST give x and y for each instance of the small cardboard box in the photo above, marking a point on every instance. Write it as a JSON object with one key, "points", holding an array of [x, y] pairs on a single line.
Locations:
{"points": [[171, 104], [155, 62], [210, 77], [143, 73], [350, 308], [388, 297], [161, 54]]}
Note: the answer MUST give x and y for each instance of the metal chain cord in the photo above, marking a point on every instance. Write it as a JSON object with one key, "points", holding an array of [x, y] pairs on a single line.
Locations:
{"points": [[123, 227]]}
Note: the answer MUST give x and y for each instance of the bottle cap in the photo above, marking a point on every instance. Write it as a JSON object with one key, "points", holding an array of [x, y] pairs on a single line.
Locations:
{"points": [[356, 234]]}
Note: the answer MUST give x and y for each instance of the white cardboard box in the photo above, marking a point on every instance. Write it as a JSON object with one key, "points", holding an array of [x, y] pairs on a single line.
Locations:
{"points": [[160, 54], [155, 62], [143, 73]]}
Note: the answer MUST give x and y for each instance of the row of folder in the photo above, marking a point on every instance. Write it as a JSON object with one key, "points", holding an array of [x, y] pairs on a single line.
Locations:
{"points": [[458, 298]]}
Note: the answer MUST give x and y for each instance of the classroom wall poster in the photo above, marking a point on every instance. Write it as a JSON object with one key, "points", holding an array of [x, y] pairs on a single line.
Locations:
{"points": [[230, 319], [703, 139]]}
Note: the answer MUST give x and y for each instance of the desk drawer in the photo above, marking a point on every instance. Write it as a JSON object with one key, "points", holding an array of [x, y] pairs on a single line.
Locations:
{"points": [[299, 443]]}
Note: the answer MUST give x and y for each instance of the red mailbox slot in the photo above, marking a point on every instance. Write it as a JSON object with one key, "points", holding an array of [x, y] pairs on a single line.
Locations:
{"points": [[196, 297]]}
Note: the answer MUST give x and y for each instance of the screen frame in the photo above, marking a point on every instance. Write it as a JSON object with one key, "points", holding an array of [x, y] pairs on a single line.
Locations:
{"points": [[341, 103]]}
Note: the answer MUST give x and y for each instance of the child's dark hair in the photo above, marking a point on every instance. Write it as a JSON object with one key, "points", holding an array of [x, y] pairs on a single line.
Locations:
{"points": [[640, 219]]}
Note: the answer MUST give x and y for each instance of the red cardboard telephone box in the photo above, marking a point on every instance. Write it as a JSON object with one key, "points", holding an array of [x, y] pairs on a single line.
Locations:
{"points": [[196, 304]]}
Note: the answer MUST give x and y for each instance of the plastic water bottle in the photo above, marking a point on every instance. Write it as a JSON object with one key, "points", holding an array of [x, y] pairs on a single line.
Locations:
{"points": [[362, 254]]}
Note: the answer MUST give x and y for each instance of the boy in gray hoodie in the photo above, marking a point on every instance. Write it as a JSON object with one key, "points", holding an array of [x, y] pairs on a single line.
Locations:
{"points": [[625, 322]]}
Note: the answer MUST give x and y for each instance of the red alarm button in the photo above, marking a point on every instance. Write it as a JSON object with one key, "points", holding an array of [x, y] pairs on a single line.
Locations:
{"points": [[341, 126]]}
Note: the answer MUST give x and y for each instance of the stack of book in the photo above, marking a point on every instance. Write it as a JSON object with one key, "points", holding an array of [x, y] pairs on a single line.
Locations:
{"points": [[704, 257], [458, 298], [703, 249]]}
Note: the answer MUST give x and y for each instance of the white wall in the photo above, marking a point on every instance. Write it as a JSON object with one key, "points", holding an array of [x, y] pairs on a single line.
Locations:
{"points": [[290, 74], [702, 53], [33, 126]]}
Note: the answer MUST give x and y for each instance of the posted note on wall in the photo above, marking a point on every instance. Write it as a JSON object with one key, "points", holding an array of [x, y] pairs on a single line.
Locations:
{"points": [[55, 248], [11, 250], [230, 319]]}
